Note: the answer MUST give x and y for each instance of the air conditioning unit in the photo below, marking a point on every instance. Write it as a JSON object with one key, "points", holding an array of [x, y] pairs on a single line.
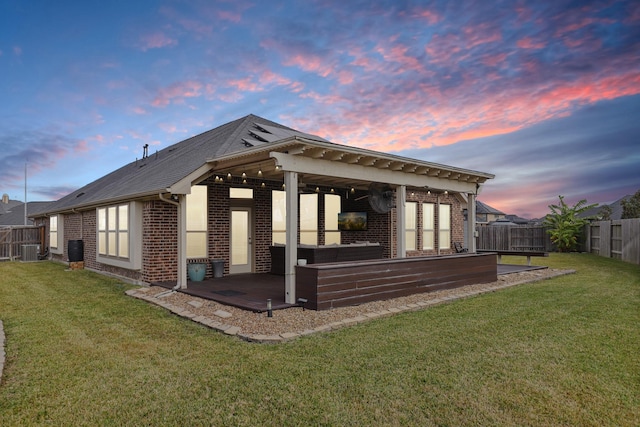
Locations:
{"points": [[30, 252]]}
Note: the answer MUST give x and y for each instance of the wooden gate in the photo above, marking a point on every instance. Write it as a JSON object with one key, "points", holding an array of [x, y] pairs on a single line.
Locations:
{"points": [[13, 238]]}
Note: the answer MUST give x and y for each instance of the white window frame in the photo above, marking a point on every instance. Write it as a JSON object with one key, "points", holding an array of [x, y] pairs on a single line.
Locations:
{"points": [[278, 225], [332, 234], [133, 258], [197, 229], [444, 226], [309, 219], [411, 225], [56, 236], [428, 226]]}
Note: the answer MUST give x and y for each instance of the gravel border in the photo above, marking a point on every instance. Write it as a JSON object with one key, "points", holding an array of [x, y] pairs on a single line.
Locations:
{"points": [[294, 322]]}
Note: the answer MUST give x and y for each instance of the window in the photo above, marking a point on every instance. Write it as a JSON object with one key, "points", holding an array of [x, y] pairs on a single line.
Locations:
{"points": [[444, 226], [55, 234], [411, 216], [240, 193], [331, 210], [53, 231], [113, 231], [119, 235], [428, 226], [309, 219], [197, 222], [278, 217]]}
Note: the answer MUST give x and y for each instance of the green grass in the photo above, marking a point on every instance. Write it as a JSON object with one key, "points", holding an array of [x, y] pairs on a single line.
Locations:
{"points": [[559, 352]]}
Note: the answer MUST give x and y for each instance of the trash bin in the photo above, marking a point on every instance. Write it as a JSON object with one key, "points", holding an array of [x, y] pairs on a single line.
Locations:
{"points": [[217, 265]]}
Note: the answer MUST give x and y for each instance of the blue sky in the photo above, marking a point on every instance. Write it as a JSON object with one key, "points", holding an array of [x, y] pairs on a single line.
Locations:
{"points": [[543, 94]]}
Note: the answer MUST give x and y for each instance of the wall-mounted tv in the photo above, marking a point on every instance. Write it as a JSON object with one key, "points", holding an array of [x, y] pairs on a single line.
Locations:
{"points": [[352, 221]]}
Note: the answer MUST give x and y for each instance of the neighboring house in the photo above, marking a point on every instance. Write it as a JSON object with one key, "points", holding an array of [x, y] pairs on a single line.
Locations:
{"points": [[12, 212], [596, 212], [234, 191], [486, 214]]}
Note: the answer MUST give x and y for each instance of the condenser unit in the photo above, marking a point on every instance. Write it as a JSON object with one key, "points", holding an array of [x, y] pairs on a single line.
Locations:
{"points": [[30, 252]]}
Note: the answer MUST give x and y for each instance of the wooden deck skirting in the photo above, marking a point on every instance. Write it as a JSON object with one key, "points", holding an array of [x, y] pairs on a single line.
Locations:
{"points": [[528, 254], [326, 286]]}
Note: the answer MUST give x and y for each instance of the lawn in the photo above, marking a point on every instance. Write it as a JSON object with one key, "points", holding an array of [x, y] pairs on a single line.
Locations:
{"points": [[559, 352]]}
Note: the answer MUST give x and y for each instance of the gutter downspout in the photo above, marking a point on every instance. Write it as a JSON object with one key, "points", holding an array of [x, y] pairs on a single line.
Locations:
{"points": [[182, 246]]}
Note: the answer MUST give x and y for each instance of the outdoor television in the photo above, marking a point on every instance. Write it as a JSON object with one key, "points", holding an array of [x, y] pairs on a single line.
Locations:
{"points": [[352, 221]]}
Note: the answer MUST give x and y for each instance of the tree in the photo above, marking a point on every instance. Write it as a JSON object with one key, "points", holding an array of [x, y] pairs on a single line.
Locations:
{"points": [[604, 214], [564, 224], [631, 206]]}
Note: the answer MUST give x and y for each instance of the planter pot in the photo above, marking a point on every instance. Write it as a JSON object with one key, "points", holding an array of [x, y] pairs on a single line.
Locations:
{"points": [[196, 271]]}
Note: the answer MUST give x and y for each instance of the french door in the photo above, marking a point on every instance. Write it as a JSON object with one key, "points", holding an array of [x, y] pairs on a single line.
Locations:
{"points": [[241, 240]]}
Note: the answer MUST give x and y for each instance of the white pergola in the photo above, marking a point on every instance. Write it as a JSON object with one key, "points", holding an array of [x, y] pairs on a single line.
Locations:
{"points": [[323, 163]]}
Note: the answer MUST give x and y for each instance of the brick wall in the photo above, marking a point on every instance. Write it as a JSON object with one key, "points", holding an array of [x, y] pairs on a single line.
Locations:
{"points": [[159, 242]]}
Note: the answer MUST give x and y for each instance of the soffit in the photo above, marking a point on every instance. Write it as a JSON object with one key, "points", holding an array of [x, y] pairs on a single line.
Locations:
{"points": [[257, 162]]}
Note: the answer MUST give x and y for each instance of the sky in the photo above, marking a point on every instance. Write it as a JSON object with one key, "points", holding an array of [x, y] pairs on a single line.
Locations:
{"points": [[545, 95]]}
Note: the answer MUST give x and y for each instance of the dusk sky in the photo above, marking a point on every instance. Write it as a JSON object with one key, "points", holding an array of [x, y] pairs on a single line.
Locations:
{"points": [[543, 94]]}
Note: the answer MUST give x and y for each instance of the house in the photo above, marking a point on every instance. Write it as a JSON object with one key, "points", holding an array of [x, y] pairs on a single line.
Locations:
{"points": [[234, 192], [486, 214], [597, 213], [12, 212]]}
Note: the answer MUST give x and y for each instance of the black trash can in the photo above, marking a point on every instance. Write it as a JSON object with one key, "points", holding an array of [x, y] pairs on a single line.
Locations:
{"points": [[217, 266], [75, 250]]}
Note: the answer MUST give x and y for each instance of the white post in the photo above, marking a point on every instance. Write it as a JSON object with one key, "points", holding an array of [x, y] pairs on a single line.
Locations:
{"points": [[182, 242], [291, 248], [401, 235], [471, 222]]}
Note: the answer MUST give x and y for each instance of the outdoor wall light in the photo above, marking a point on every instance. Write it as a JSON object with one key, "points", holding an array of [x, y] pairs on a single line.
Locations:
{"points": [[317, 189], [263, 185], [260, 172], [353, 190]]}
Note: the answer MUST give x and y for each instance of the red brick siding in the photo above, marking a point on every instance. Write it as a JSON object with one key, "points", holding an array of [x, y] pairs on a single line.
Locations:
{"points": [[159, 242]]}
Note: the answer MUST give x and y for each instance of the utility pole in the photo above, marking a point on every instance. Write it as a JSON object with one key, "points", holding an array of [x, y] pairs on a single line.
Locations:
{"points": [[25, 193]]}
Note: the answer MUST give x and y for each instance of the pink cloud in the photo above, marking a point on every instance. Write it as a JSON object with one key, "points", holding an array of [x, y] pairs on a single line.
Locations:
{"points": [[155, 40], [529, 43], [177, 92], [226, 15]]}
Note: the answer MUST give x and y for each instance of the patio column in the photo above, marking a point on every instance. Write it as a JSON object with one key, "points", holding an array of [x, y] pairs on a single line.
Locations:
{"points": [[291, 247], [401, 236], [471, 222], [182, 241]]}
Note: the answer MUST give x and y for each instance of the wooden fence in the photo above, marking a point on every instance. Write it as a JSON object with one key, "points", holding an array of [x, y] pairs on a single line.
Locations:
{"points": [[618, 239], [513, 238], [13, 238]]}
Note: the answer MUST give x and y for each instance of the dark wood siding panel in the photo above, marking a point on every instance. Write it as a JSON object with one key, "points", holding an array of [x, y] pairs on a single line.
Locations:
{"points": [[342, 284]]}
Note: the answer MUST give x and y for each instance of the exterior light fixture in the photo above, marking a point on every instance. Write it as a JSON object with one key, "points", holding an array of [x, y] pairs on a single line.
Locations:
{"points": [[353, 190], [244, 175], [317, 189], [333, 191], [259, 172], [229, 176], [284, 186], [263, 185]]}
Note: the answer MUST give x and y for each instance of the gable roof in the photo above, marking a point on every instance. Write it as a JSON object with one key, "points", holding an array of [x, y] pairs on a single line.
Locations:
{"points": [[158, 171], [15, 214], [483, 208]]}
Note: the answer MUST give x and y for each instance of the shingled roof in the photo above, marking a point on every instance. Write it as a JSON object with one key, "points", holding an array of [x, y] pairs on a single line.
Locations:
{"points": [[158, 171]]}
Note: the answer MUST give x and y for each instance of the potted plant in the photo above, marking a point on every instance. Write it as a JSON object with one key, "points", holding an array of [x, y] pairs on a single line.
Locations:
{"points": [[196, 270]]}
